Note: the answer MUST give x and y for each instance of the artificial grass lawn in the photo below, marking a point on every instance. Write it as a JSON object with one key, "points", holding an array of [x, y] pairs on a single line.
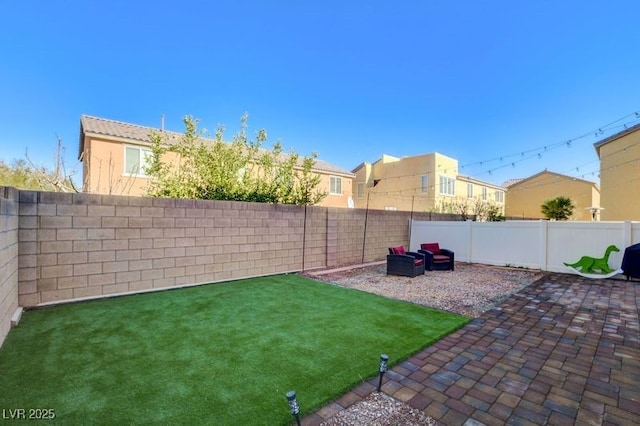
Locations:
{"points": [[221, 354]]}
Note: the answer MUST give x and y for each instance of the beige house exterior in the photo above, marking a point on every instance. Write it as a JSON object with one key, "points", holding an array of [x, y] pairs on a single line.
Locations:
{"points": [[525, 196], [114, 154], [620, 174], [427, 182]]}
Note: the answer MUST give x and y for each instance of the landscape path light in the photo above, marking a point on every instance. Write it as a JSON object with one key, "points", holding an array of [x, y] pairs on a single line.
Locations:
{"points": [[293, 405], [384, 362]]}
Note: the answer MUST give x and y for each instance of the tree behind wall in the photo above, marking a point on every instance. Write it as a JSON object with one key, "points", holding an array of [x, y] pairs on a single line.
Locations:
{"points": [[559, 208], [24, 174], [476, 209], [241, 170]]}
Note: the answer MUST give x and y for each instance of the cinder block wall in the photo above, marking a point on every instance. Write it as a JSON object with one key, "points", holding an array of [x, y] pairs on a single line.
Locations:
{"points": [[8, 258], [83, 245], [315, 237], [75, 246]]}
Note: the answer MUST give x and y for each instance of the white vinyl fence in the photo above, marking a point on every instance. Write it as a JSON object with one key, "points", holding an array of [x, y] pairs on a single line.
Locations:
{"points": [[534, 244]]}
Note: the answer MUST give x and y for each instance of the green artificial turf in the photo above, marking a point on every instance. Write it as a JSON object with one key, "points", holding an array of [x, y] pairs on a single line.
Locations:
{"points": [[222, 354]]}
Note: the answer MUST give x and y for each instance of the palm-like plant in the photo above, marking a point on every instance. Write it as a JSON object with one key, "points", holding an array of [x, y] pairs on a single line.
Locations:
{"points": [[559, 208]]}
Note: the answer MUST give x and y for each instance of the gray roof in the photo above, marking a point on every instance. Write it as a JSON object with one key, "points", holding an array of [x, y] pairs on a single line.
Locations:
{"points": [[510, 182], [135, 133]]}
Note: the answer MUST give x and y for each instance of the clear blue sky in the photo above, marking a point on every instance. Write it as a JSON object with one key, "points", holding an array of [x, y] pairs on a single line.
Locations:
{"points": [[474, 80]]}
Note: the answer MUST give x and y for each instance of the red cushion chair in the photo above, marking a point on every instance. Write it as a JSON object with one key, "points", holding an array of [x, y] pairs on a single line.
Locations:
{"points": [[405, 263], [437, 258]]}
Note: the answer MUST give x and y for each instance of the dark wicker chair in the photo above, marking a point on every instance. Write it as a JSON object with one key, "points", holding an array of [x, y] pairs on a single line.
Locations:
{"points": [[437, 258], [405, 263]]}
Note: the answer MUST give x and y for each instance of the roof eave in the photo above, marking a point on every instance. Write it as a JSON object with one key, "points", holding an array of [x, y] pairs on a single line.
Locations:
{"points": [[613, 137]]}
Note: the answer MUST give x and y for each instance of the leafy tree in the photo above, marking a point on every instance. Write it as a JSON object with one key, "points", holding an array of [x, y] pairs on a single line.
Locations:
{"points": [[559, 208], [494, 214], [193, 166], [19, 175]]}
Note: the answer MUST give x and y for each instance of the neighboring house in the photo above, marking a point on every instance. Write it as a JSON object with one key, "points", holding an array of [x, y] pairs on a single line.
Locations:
{"points": [[620, 174], [114, 155], [420, 183], [526, 196]]}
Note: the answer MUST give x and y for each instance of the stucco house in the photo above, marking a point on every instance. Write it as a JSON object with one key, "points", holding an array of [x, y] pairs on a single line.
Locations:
{"points": [[114, 153], [424, 182], [525, 196], [620, 174]]}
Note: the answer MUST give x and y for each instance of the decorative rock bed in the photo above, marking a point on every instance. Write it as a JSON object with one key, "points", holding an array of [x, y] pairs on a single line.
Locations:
{"points": [[468, 290]]}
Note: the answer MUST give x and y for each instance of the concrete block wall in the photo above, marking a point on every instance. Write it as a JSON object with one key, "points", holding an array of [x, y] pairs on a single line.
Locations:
{"points": [[8, 258], [385, 229], [74, 246], [315, 237], [350, 227]]}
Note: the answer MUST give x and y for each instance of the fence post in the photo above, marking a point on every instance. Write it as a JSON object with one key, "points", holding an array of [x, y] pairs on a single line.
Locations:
{"points": [[544, 231], [628, 237], [470, 240]]}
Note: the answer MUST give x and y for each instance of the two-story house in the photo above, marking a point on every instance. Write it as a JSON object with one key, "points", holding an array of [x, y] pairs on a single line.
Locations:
{"points": [[525, 196], [427, 182], [620, 174], [114, 155]]}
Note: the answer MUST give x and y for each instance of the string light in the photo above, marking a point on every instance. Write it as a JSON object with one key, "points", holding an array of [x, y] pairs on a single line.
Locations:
{"points": [[600, 130], [513, 165]]}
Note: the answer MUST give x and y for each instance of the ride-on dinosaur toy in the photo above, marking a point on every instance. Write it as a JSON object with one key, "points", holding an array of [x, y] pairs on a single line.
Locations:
{"points": [[589, 265]]}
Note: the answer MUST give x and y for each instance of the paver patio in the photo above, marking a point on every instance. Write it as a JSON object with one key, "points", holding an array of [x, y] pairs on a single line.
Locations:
{"points": [[565, 350]]}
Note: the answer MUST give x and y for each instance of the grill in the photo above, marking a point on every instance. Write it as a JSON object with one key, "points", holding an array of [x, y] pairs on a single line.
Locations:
{"points": [[631, 261]]}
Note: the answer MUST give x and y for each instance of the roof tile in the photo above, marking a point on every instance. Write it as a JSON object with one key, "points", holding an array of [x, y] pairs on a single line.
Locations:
{"points": [[134, 132]]}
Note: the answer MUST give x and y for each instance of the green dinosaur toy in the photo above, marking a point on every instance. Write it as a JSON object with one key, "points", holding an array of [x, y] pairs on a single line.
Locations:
{"points": [[589, 264]]}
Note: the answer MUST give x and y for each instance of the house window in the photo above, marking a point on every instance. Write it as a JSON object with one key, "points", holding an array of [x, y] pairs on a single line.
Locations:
{"points": [[484, 194], [447, 185], [499, 196], [423, 183], [469, 190], [392, 208], [335, 185], [360, 190], [136, 160]]}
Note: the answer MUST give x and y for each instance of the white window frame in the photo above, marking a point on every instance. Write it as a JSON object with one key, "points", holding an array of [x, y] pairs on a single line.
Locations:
{"points": [[447, 185], [390, 208], [335, 185], [469, 190], [144, 155], [424, 183], [484, 194], [360, 190], [499, 196]]}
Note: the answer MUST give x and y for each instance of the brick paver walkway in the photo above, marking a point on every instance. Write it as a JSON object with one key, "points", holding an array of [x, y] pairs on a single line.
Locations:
{"points": [[563, 351]]}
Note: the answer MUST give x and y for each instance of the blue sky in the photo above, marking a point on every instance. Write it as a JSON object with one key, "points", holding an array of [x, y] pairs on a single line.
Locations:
{"points": [[489, 83]]}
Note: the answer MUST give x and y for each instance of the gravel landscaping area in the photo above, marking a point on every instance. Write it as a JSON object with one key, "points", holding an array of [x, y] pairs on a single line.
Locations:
{"points": [[379, 409], [470, 290]]}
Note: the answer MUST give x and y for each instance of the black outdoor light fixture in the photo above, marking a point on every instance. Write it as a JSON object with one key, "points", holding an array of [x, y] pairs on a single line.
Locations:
{"points": [[293, 405], [384, 359]]}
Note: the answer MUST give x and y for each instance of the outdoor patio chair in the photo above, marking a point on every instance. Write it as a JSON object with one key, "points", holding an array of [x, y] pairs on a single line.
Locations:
{"points": [[437, 258], [405, 263]]}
